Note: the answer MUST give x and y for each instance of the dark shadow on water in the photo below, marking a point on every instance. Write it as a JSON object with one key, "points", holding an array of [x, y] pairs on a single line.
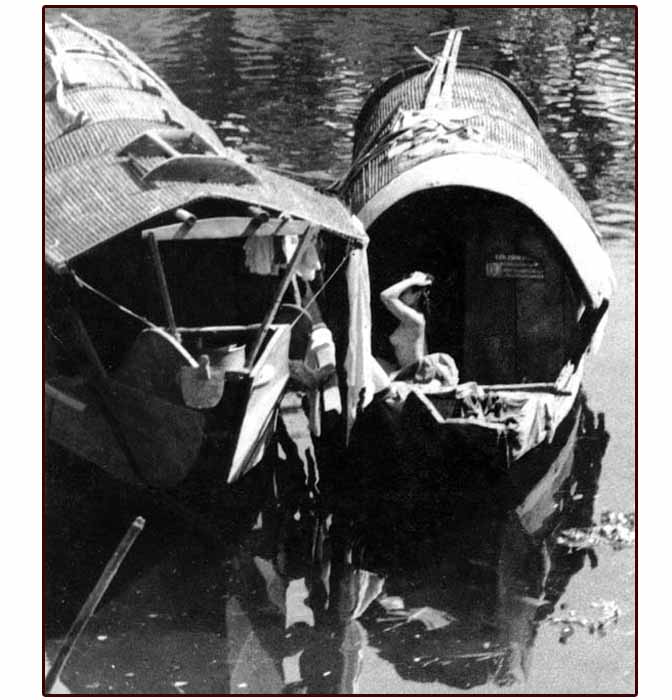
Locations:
{"points": [[87, 513], [459, 602], [447, 590]]}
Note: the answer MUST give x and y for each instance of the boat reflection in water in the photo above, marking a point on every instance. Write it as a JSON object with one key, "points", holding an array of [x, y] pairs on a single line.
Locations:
{"points": [[446, 593], [445, 587]]}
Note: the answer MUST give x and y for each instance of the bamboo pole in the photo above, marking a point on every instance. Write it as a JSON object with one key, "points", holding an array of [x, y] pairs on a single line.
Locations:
{"points": [[93, 600], [446, 91], [163, 286], [544, 387]]}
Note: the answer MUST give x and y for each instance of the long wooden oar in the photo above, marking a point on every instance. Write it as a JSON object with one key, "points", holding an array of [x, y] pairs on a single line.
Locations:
{"points": [[92, 601]]}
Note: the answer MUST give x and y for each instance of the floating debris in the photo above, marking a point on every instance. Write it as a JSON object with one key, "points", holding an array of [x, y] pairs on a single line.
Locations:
{"points": [[615, 529], [227, 125], [431, 618], [609, 614]]}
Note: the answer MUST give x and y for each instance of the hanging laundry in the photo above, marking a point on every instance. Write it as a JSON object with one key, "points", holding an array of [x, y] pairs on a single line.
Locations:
{"points": [[309, 264], [289, 246], [321, 359], [260, 255], [364, 376]]}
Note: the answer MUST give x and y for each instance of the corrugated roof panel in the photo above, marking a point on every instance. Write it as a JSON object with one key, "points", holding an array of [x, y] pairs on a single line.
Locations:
{"points": [[91, 192], [507, 130], [92, 141], [94, 200], [109, 104]]}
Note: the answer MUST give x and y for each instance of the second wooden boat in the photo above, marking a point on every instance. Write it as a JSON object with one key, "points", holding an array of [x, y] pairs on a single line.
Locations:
{"points": [[451, 176]]}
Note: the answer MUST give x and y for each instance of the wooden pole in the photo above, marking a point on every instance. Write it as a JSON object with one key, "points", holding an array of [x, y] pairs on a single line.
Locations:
{"points": [[88, 347], [446, 91], [544, 387], [163, 285], [92, 601], [434, 90], [58, 395]]}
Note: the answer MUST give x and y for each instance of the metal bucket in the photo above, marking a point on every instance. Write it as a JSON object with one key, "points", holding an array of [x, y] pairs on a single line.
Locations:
{"points": [[228, 357]]}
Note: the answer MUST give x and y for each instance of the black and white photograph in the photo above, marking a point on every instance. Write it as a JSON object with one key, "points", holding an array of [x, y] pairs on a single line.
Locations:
{"points": [[339, 350]]}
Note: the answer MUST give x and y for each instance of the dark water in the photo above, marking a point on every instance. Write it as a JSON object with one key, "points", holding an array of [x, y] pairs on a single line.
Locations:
{"points": [[461, 610]]}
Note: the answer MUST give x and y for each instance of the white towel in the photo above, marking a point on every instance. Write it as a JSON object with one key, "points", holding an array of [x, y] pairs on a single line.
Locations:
{"points": [[360, 365], [259, 255]]}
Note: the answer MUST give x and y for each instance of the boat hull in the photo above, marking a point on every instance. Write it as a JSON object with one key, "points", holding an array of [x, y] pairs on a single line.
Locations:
{"points": [[137, 426], [401, 455]]}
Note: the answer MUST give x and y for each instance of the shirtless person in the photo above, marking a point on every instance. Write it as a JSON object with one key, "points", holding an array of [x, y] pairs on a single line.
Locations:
{"points": [[408, 301]]}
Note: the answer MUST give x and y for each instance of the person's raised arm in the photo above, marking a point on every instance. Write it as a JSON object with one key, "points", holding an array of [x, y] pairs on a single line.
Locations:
{"points": [[391, 297]]}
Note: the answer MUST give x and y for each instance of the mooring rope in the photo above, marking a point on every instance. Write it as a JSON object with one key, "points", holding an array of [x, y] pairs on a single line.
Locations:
{"points": [[324, 285], [108, 299]]}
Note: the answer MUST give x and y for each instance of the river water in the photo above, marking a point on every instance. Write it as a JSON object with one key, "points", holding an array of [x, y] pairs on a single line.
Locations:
{"points": [[185, 616]]}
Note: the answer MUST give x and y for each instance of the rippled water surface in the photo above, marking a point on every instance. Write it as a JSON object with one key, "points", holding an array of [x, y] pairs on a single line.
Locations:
{"points": [[457, 604]]}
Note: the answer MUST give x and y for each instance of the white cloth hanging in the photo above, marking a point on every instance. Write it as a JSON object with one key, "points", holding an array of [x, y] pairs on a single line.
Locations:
{"points": [[259, 255], [309, 264], [364, 377]]}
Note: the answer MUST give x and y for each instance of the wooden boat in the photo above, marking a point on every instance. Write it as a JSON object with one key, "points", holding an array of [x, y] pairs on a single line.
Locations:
{"points": [[452, 176], [169, 263]]}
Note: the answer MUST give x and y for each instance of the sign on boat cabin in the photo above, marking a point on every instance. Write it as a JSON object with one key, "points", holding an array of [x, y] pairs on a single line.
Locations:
{"points": [[503, 303]]}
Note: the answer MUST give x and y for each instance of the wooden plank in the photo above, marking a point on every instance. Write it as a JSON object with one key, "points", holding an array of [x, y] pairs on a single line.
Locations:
{"points": [[435, 86], [269, 379], [543, 387], [187, 330], [228, 227]]}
